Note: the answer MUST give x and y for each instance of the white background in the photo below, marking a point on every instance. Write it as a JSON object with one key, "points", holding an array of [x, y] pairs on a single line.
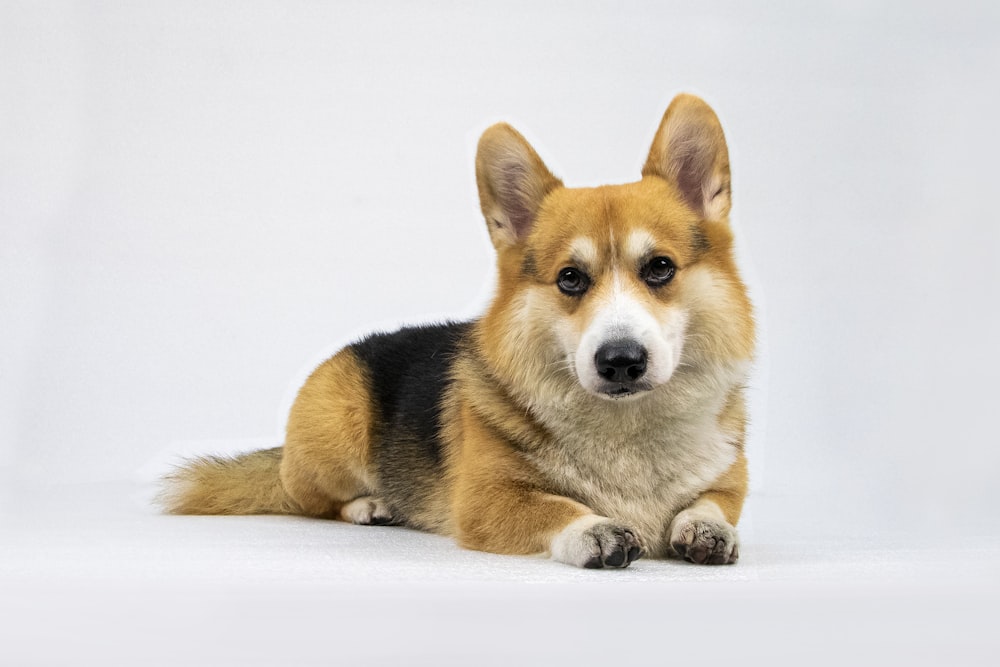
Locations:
{"points": [[199, 200]]}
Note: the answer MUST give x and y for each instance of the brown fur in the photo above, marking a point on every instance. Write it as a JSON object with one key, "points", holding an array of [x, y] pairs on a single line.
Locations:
{"points": [[246, 484], [328, 440], [500, 505], [729, 490]]}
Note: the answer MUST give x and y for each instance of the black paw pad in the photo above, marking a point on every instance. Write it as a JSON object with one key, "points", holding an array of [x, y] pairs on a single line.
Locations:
{"points": [[617, 557], [705, 542], [618, 546]]}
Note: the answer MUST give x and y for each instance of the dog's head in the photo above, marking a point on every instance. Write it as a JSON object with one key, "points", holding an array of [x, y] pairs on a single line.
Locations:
{"points": [[616, 285]]}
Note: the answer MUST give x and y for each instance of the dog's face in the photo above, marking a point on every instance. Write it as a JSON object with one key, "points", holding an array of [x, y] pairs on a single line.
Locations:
{"points": [[607, 265], [614, 283]]}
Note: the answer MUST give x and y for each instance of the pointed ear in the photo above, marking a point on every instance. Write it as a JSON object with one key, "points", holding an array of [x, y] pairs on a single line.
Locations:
{"points": [[512, 181], [689, 150]]}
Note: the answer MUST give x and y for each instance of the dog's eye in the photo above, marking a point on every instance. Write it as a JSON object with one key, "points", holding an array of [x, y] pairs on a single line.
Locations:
{"points": [[659, 271], [572, 282]]}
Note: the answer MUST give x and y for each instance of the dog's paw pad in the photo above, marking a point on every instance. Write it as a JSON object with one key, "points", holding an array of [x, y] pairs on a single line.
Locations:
{"points": [[367, 511], [595, 542], [704, 541]]}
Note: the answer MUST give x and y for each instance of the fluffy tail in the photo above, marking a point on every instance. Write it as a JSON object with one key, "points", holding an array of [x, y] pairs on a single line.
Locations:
{"points": [[245, 484]]}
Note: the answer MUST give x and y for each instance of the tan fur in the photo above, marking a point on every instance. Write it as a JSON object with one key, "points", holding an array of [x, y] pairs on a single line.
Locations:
{"points": [[533, 460], [328, 439], [730, 489], [500, 504], [246, 484], [323, 465]]}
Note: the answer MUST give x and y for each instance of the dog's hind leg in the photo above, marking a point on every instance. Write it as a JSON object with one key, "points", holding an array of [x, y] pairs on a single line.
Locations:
{"points": [[326, 465]]}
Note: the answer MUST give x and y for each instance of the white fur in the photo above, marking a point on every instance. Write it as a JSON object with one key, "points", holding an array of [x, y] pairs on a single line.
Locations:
{"points": [[705, 523], [638, 245], [572, 545], [365, 510], [623, 316], [634, 461], [701, 511], [583, 251], [716, 205]]}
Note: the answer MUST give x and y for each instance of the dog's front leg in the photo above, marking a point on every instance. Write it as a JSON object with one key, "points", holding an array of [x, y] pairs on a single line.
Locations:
{"points": [[705, 532], [500, 506]]}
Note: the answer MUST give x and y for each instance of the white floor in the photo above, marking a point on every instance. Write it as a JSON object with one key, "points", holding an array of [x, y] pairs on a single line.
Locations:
{"points": [[93, 575], [200, 200]]}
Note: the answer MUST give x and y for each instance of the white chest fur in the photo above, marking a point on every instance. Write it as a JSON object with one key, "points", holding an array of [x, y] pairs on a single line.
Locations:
{"points": [[639, 461]]}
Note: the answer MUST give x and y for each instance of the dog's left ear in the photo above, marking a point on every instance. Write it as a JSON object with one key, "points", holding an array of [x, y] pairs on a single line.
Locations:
{"points": [[512, 181], [689, 150]]}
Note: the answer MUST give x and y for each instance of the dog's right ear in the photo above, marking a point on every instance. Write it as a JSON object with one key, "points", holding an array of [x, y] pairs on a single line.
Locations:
{"points": [[690, 151], [512, 181]]}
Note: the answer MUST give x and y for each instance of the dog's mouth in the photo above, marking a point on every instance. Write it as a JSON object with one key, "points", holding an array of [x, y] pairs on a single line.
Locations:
{"points": [[621, 390]]}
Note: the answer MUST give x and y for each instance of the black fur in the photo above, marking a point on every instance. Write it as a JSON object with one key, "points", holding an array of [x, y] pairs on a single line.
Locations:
{"points": [[699, 241], [528, 267], [409, 371]]}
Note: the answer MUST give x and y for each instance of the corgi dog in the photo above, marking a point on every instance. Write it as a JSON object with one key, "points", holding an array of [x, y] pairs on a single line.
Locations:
{"points": [[595, 413]]}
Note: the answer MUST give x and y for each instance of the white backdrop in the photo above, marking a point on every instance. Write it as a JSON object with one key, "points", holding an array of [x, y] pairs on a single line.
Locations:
{"points": [[199, 200]]}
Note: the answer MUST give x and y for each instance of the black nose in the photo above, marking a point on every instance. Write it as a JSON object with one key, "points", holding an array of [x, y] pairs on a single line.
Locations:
{"points": [[621, 361]]}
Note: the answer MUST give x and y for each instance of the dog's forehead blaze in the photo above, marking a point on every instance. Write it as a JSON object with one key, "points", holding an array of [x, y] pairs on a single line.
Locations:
{"points": [[612, 225], [613, 291]]}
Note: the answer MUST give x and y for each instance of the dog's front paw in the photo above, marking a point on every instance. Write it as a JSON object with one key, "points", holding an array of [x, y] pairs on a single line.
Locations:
{"points": [[594, 542], [704, 540]]}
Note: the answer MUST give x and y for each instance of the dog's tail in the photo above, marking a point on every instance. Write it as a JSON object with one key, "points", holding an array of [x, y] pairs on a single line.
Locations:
{"points": [[244, 484]]}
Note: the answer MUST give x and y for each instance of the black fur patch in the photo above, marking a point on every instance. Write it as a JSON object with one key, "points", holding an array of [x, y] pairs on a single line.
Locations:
{"points": [[528, 267], [409, 372], [699, 240]]}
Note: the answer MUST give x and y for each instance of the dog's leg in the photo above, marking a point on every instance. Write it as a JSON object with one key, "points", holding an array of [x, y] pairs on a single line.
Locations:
{"points": [[326, 463], [500, 506], [704, 533]]}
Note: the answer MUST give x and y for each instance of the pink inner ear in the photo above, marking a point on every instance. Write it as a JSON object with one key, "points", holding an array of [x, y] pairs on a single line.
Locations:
{"points": [[516, 197], [691, 166]]}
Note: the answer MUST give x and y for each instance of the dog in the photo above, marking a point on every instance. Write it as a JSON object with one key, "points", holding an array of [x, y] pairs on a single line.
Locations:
{"points": [[595, 413]]}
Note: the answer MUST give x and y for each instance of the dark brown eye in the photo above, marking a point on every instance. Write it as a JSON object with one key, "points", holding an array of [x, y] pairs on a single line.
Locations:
{"points": [[572, 282], [659, 271]]}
